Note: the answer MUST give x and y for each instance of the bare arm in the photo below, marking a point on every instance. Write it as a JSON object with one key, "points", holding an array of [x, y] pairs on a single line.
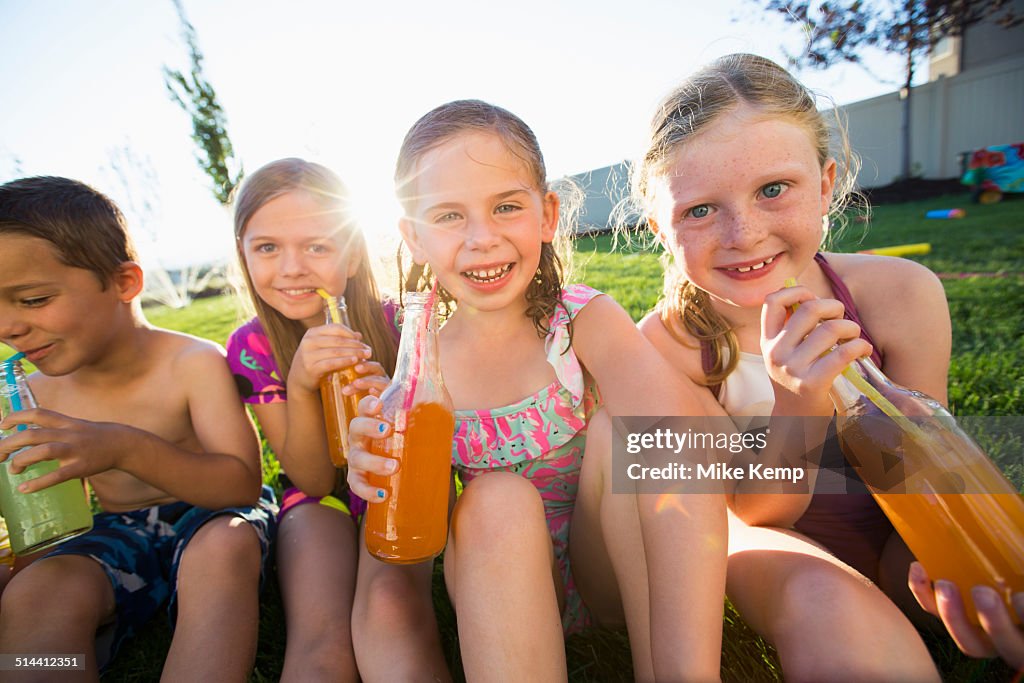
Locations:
{"points": [[223, 471], [633, 377], [915, 334], [685, 535], [300, 439], [804, 351]]}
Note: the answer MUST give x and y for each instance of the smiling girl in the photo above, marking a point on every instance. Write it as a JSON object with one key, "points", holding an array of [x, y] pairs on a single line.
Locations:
{"points": [[295, 235], [539, 544], [738, 183]]}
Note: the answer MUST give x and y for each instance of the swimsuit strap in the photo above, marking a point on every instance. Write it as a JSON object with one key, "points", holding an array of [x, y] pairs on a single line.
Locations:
{"points": [[843, 295]]}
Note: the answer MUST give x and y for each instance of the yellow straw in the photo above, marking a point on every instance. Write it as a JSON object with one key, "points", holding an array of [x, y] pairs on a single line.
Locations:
{"points": [[332, 305], [873, 394]]}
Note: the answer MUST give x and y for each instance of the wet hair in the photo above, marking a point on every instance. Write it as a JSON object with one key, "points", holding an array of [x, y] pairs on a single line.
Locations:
{"points": [[544, 293], [361, 294], [83, 224], [718, 88]]}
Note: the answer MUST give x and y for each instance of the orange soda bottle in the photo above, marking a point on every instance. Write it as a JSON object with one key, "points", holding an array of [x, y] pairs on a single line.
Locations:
{"points": [[339, 408], [411, 524], [949, 502]]}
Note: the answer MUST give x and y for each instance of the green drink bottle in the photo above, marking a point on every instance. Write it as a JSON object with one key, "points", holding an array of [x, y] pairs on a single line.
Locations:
{"points": [[42, 519]]}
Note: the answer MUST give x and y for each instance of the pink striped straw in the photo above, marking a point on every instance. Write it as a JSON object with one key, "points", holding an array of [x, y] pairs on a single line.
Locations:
{"points": [[417, 352]]}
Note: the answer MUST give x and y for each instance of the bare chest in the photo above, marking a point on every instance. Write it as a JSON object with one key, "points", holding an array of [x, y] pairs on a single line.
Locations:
{"points": [[164, 413], [492, 376]]}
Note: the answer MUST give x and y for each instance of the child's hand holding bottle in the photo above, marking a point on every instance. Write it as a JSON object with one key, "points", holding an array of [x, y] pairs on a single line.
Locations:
{"points": [[361, 462], [806, 349], [997, 634], [333, 361], [330, 348]]}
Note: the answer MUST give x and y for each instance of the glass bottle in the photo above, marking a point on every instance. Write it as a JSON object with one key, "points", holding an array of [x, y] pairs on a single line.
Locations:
{"points": [[39, 520], [339, 408], [952, 506], [411, 524]]}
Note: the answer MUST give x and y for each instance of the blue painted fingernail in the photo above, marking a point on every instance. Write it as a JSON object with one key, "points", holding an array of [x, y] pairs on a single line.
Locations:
{"points": [[382, 428], [380, 493]]}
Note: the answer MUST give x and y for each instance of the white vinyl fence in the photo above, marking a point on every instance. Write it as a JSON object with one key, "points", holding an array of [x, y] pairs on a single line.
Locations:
{"points": [[949, 116]]}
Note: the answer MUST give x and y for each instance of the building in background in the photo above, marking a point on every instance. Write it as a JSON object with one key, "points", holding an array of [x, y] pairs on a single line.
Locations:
{"points": [[605, 194], [974, 99]]}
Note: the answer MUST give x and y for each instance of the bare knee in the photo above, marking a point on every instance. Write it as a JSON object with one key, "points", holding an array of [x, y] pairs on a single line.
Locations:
{"points": [[496, 510], [830, 621], [225, 544], [69, 590], [392, 598], [811, 588]]}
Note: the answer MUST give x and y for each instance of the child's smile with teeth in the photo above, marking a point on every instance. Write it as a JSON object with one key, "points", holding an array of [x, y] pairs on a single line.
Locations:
{"points": [[489, 274], [756, 266]]}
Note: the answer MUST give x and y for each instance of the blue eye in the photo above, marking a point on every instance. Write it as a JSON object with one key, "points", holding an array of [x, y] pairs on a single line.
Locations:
{"points": [[446, 217], [318, 249], [701, 211], [773, 190], [265, 248], [506, 208]]}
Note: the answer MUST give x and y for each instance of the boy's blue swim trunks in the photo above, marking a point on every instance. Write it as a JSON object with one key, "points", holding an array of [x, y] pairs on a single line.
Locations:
{"points": [[140, 551]]}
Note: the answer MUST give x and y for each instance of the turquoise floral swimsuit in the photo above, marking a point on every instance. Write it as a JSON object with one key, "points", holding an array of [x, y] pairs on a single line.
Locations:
{"points": [[542, 438]]}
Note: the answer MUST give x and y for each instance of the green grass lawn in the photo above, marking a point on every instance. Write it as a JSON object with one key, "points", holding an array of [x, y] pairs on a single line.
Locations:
{"points": [[986, 378]]}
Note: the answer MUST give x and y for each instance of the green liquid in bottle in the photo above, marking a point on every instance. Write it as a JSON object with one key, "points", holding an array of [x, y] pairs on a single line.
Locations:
{"points": [[42, 519]]}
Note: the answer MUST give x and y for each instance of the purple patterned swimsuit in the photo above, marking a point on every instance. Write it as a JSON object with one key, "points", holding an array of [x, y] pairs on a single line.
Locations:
{"points": [[259, 382]]}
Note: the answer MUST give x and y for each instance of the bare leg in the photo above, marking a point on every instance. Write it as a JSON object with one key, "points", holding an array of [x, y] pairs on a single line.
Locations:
{"points": [[827, 621], [668, 556], [316, 565], [599, 520], [499, 571], [218, 604], [394, 629], [55, 607]]}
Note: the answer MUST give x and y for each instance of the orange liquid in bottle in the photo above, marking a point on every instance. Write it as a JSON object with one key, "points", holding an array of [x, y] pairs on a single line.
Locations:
{"points": [[971, 538], [411, 524], [339, 410]]}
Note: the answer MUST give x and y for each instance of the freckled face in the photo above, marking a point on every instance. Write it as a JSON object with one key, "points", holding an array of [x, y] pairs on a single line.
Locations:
{"points": [[741, 206]]}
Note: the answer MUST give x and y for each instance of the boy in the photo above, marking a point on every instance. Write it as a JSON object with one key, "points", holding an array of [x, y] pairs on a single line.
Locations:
{"points": [[152, 419]]}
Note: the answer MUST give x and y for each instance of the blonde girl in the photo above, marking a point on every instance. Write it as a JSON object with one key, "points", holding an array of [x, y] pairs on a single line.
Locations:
{"points": [[738, 183], [295, 234]]}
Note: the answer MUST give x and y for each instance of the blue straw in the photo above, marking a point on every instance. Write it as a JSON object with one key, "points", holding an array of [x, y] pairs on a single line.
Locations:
{"points": [[12, 385]]}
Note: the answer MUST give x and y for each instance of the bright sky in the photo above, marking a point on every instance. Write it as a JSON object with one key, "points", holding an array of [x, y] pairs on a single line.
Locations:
{"points": [[341, 82]]}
